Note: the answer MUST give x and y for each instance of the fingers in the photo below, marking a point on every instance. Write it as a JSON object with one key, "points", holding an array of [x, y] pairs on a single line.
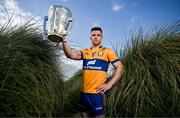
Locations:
{"points": [[101, 89]]}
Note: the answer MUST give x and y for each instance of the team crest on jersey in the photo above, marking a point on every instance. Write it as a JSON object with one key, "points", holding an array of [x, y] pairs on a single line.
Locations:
{"points": [[100, 54]]}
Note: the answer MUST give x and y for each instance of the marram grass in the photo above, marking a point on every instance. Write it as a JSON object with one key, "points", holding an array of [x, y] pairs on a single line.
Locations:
{"points": [[73, 87], [30, 79], [150, 85], [31, 83]]}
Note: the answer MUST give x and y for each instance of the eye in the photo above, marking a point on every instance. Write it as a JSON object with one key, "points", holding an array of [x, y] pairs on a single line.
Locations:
{"points": [[96, 35], [93, 34]]}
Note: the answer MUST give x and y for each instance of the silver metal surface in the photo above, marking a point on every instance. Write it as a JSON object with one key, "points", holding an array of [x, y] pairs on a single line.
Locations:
{"points": [[59, 22]]}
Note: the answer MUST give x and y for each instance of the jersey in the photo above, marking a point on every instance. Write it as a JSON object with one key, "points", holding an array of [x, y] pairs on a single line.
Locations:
{"points": [[95, 66]]}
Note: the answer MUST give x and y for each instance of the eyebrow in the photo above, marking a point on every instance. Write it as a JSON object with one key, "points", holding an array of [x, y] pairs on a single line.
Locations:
{"points": [[96, 34]]}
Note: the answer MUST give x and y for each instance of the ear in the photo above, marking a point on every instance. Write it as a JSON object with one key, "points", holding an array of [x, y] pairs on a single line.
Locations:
{"points": [[102, 37]]}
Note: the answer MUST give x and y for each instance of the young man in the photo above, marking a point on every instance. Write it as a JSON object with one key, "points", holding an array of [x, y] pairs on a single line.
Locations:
{"points": [[95, 65]]}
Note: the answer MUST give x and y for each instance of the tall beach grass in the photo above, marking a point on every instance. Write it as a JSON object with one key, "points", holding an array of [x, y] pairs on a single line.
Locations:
{"points": [[73, 86], [30, 80], [150, 85]]}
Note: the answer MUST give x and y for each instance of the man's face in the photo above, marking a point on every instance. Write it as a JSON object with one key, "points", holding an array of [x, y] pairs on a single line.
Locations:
{"points": [[96, 37]]}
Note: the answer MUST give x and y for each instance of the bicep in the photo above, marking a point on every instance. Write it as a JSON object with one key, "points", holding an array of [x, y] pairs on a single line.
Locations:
{"points": [[77, 55], [118, 65]]}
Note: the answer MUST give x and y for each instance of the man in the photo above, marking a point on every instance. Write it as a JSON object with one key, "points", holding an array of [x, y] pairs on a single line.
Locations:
{"points": [[95, 65]]}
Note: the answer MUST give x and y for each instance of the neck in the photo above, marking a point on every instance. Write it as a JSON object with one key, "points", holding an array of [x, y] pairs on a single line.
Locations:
{"points": [[96, 46]]}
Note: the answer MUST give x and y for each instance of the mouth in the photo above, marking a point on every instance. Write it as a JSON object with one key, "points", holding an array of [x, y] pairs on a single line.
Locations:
{"points": [[96, 41]]}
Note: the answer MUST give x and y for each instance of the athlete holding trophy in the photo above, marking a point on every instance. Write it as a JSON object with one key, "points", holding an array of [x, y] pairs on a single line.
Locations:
{"points": [[95, 62]]}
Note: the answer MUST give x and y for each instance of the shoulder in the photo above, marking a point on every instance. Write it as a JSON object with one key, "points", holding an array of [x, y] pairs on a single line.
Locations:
{"points": [[107, 50], [84, 50]]}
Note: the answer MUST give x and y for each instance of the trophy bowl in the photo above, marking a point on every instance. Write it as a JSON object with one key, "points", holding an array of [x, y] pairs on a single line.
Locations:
{"points": [[59, 22], [55, 38]]}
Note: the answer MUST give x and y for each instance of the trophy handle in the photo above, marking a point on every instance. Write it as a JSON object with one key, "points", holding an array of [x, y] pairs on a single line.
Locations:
{"points": [[70, 22], [69, 26], [45, 32]]}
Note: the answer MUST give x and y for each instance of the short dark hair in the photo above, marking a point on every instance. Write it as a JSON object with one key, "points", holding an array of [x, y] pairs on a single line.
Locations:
{"points": [[96, 28]]}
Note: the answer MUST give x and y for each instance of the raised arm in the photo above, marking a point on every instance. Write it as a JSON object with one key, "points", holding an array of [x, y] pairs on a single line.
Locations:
{"points": [[76, 55]]}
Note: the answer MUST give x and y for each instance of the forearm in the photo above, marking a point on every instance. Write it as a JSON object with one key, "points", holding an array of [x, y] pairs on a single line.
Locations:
{"points": [[67, 49], [70, 53], [116, 76], [118, 73]]}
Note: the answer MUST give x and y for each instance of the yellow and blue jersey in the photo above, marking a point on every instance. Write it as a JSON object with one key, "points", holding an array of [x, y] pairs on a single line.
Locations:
{"points": [[95, 66]]}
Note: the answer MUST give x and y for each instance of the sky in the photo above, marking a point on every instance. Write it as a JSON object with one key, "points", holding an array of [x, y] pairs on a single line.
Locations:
{"points": [[117, 18]]}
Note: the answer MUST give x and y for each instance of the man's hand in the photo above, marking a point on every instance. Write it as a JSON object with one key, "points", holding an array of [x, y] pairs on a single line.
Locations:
{"points": [[103, 88], [65, 39]]}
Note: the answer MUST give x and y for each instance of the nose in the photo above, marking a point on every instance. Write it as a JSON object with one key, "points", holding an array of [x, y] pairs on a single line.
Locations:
{"points": [[96, 36]]}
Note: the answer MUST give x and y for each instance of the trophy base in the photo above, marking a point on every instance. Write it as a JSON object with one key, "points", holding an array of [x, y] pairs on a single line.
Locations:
{"points": [[55, 38]]}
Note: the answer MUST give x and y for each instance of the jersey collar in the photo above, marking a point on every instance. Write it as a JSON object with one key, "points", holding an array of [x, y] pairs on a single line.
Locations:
{"points": [[97, 48]]}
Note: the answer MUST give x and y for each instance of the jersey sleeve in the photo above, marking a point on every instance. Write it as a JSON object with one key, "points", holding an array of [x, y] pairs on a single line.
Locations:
{"points": [[82, 53], [112, 57]]}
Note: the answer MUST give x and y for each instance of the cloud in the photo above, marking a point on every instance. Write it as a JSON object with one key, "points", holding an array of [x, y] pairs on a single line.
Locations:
{"points": [[117, 7], [70, 67], [11, 12]]}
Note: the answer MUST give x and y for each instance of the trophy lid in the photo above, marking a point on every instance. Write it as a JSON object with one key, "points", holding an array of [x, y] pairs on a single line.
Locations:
{"points": [[61, 7]]}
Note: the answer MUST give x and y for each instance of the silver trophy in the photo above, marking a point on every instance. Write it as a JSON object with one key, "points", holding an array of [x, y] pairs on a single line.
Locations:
{"points": [[59, 23]]}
